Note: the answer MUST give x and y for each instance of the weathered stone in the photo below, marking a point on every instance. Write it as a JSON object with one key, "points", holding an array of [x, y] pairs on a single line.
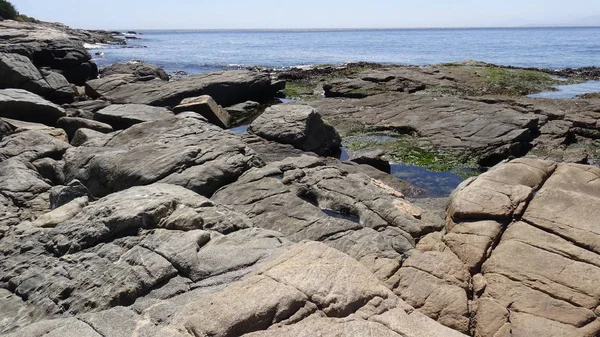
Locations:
{"points": [[82, 136], [304, 198], [141, 70], [225, 87], [184, 151], [298, 125], [26, 106], [72, 124], [17, 71], [207, 108], [60, 195], [20, 126], [123, 116]]}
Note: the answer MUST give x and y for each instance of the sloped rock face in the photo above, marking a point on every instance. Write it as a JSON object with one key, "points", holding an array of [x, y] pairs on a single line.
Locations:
{"points": [[518, 257], [181, 150], [26, 106], [306, 199]]}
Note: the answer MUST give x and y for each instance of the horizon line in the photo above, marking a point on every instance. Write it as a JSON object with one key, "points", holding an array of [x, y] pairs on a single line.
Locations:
{"points": [[344, 29]]}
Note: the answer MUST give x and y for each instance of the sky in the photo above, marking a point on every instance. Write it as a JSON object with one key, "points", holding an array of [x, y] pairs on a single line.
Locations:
{"points": [[279, 14]]}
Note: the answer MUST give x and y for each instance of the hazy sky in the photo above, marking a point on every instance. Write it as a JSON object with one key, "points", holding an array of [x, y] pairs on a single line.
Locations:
{"points": [[223, 14]]}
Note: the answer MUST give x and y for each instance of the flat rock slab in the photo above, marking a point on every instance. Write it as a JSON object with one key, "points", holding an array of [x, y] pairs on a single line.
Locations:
{"points": [[26, 106], [122, 116], [297, 125], [225, 87], [181, 150]]}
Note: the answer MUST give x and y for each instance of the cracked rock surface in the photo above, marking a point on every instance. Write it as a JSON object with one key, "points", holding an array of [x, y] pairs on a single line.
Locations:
{"points": [[519, 255]]}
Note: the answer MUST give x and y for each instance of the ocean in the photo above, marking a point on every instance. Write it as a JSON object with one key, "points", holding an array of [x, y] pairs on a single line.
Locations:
{"points": [[202, 51]]}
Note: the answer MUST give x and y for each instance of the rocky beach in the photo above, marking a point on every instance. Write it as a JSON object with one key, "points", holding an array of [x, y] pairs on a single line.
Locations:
{"points": [[260, 202]]}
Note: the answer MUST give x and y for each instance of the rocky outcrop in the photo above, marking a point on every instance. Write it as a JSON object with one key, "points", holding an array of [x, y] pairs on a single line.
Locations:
{"points": [[297, 125], [490, 132], [307, 199], [17, 71], [206, 107], [53, 46], [122, 116], [141, 70], [517, 257], [225, 87], [183, 150], [25, 106]]}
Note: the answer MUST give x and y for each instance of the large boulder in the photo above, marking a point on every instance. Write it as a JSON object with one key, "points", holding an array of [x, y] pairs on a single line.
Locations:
{"points": [[207, 108], [26, 106], [181, 150], [122, 116], [298, 125], [17, 71], [225, 87], [141, 70]]}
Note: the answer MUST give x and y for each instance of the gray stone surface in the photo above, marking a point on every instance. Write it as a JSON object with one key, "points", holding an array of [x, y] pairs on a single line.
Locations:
{"points": [[18, 72], [297, 125], [206, 107], [225, 87], [72, 124], [141, 70], [180, 150], [122, 116], [26, 106]]}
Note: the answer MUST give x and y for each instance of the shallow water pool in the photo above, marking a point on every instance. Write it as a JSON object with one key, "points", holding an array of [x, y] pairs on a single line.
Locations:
{"points": [[569, 90]]}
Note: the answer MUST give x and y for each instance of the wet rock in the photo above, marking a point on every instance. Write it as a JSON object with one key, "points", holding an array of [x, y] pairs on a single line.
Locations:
{"points": [[141, 70], [225, 87], [181, 150], [206, 107], [123, 116], [298, 125], [26, 106], [72, 124], [17, 71], [243, 111], [61, 195]]}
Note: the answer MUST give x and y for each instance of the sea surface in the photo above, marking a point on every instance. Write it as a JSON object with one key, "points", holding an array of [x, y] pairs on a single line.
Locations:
{"points": [[202, 51]]}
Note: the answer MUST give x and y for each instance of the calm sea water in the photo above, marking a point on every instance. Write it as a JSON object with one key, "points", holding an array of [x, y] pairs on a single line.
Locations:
{"points": [[202, 51]]}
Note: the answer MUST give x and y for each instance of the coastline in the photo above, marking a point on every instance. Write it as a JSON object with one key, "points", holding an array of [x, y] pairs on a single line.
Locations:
{"points": [[362, 199]]}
